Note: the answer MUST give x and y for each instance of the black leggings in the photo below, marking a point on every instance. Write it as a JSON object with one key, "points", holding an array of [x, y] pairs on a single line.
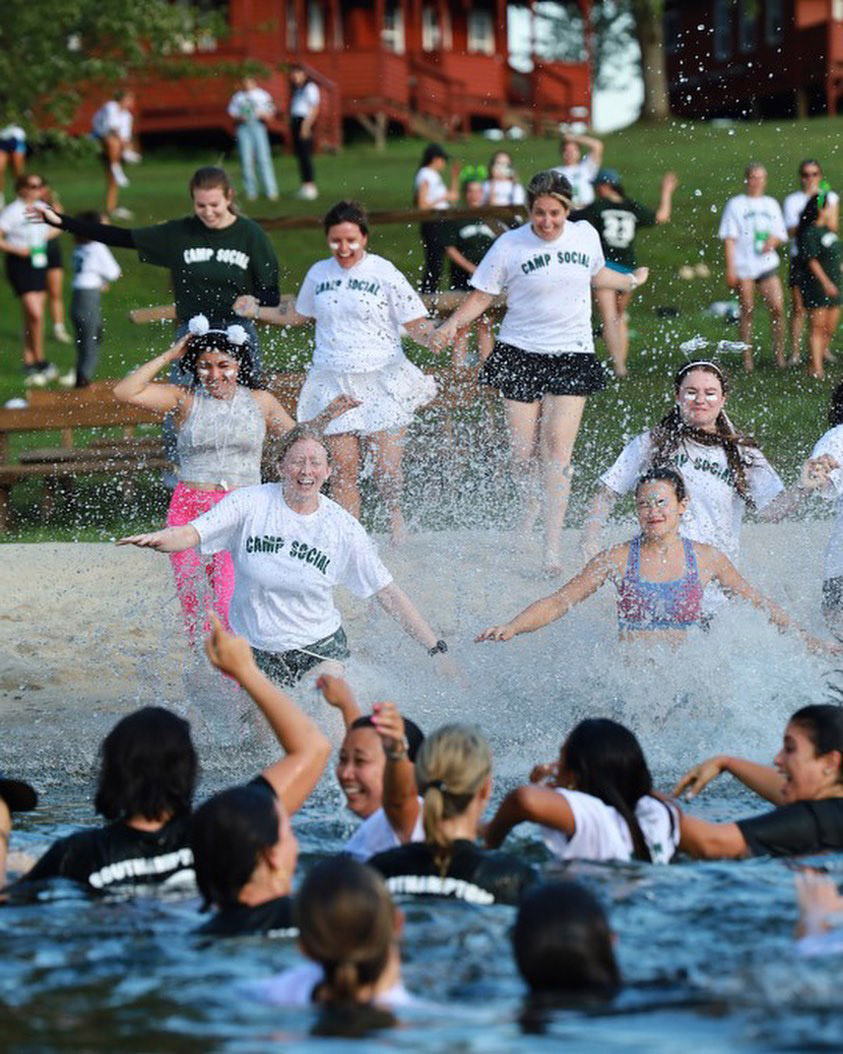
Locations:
{"points": [[304, 151], [434, 256]]}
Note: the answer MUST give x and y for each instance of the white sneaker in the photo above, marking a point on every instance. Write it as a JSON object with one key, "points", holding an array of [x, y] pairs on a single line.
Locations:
{"points": [[68, 380], [121, 213], [48, 371], [33, 378], [61, 334], [308, 194], [131, 157], [120, 177]]}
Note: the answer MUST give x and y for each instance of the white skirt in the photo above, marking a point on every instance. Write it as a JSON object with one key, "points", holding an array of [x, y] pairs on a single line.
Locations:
{"points": [[388, 397]]}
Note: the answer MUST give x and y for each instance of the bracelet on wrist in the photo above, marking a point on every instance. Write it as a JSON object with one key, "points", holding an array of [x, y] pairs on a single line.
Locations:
{"points": [[439, 646], [399, 751]]}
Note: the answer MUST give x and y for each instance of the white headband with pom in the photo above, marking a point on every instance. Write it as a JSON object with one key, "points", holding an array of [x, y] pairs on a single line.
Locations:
{"points": [[235, 334]]}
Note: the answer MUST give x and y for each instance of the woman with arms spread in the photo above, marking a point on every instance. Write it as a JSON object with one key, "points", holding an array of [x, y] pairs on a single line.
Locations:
{"points": [[543, 363]]}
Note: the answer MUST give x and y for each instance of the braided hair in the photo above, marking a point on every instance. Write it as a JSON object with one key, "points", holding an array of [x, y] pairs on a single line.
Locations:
{"points": [[672, 431]]}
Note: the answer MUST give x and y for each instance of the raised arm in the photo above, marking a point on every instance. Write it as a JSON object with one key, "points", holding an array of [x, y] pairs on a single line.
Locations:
{"points": [[534, 804], [553, 607], [337, 692], [593, 146], [140, 389], [305, 748], [763, 779], [711, 841], [284, 314], [400, 793], [813, 477], [118, 237], [470, 309]]}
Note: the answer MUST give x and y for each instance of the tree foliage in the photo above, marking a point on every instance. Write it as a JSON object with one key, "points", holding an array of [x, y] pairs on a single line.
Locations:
{"points": [[49, 51]]}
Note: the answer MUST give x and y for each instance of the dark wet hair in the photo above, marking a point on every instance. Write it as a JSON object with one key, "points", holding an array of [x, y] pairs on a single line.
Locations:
{"points": [[822, 723], [148, 767], [346, 923], [672, 431], [347, 212], [605, 760], [228, 833], [208, 177], [835, 409], [562, 942], [88, 217], [809, 161], [808, 217], [664, 474], [550, 184], [414, 735], [216, 340], [431, 152]]}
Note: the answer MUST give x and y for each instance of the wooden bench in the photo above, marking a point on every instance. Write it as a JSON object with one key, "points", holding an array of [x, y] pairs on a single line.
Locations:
{"points": [[128, 453]]}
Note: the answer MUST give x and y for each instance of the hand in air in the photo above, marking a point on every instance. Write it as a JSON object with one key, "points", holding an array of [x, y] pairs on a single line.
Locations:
{"points": [[153, 540], [178, 349], [816, 471], [246, 306], [389, 725], [337, 692], [698, 777], [226, 651], [495, 633], [41, 212], [546, 773]]}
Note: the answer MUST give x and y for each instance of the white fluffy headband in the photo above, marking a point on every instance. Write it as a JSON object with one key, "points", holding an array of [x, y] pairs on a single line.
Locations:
{"points": [[199, 325]]}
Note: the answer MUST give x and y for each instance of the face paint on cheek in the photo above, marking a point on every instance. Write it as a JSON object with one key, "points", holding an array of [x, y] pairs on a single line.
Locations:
{"points": [[229, 374], [353, 246], [334, 246]]}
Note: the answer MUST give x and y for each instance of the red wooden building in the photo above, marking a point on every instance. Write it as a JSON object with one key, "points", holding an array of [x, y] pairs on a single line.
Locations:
{"points": [[432, 67], [754, 58]]}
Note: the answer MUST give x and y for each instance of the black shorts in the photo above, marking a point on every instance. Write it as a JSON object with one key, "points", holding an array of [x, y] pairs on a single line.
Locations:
{"points": [[286, 668], [524, 377], [23, 277], [795, 273], [54, 254], [833, 595]]}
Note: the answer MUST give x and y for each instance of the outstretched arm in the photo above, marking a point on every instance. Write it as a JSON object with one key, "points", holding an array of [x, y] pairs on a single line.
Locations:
{"points": [[398, 605], [470, 309], [168, 540], [534, 804], [813, 477], [598, 513], [421, 330], [763, 779], [711, 841], [621, 283], [553, 607], [140, 389], [337, 692], [305, 748], [283, 315]]}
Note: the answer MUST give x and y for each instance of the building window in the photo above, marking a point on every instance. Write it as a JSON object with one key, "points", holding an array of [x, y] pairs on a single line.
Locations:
{"points": [[722, 29], [431, 35], [481, 33], [315, 26], [773, 18], [292, 27], [670, 28], [393, 30], [747, 24], [837, 10]]}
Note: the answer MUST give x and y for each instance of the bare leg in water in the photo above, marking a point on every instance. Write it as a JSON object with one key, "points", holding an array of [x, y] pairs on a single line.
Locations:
{"points": [[560, 423]]}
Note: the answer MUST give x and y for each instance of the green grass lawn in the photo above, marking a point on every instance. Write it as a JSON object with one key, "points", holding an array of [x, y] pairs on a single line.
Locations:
{"points": [[785, 411]]}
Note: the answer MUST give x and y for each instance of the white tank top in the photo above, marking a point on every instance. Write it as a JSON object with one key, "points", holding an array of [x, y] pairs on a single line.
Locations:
{"points": [[222, 440]]}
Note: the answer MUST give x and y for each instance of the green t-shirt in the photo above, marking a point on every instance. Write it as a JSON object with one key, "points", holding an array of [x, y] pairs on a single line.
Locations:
{"points": [[616, 222], [822, 245], [211, 268]]}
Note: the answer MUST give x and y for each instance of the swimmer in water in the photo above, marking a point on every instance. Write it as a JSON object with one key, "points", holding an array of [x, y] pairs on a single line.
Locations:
{"points": [[659, 575], [805, 785], [374, 770], [454, 775], [724, 471], [595, 803]]}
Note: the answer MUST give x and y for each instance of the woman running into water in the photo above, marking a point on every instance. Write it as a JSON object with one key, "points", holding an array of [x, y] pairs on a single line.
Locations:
{"points": [[660, 576], [543, 363], [360, 302], [222, 418]]}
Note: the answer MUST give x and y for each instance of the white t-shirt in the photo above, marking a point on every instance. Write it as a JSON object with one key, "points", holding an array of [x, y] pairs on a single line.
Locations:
{"points": [[16, 228], [376, 834], [504, 192], [358, 312], [792, 209], [832, 443], [112, 117], [715, 509], [434, 184], [750, 222], [304, 99], [256, 103], [580, 177], [286, 565], [294, 987], [601, 833], [93, 266], [548, 287]]}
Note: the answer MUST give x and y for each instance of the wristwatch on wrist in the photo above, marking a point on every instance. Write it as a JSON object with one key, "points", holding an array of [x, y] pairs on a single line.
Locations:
{"points": [[439, 646], [399, 751]]}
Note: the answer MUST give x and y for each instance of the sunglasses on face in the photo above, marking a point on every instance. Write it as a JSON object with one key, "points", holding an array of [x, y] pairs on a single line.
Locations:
{"points": [[809, 173]]}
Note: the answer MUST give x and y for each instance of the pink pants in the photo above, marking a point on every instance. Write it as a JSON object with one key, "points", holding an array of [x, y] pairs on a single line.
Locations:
{"points": [[192, 570]]}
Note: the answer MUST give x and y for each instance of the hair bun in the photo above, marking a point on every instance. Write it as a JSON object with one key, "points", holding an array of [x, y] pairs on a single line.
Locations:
{"points": [[198, 326]]}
